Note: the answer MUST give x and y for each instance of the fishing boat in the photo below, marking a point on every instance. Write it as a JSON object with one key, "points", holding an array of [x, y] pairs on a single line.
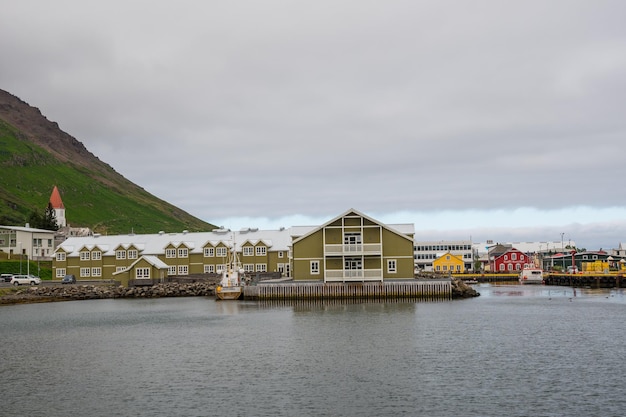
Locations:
{"points": [[231, 284], [531, 275]]}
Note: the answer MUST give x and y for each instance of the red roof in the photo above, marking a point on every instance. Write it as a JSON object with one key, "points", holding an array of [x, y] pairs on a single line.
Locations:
{"points": [[55, 199]]}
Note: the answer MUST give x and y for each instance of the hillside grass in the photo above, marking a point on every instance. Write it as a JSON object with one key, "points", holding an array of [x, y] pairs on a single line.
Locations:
{"points": [[95, 197]]}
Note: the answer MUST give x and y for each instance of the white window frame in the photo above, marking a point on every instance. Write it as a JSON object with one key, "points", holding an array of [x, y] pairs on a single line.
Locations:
{"points": [[132, 254], [209, 269], [248, 251], [248, 267], [209, 252], [314, 267], [261, 267], [280, 254], [183, 269], [120, 254], [219, 268], [261, 251], [96, 255], [221, 251], [60, 272], [85, 255], [142, 273], [85, 272], [171, 270], [120, 268], [96, 271], [170, 253], [392, 266], [60, 257], [183, 253]]}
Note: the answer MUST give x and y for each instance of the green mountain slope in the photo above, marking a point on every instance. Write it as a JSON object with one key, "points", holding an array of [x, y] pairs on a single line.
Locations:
{"points": [[35, 155]]}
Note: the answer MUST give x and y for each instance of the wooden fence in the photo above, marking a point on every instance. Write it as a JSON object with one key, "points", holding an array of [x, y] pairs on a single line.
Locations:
{"points": [[420, 289]]}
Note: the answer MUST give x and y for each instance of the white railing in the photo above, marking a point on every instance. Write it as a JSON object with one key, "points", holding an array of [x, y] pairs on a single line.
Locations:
{"points": [[353, 249], [354, 275]]}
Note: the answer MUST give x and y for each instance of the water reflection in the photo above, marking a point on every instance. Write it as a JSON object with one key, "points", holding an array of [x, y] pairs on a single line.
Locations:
{"points": [[551, 292]]}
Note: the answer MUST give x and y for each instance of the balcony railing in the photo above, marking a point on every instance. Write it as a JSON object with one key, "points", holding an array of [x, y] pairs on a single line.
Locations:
{"points": [[353, 249], [353, 275]]}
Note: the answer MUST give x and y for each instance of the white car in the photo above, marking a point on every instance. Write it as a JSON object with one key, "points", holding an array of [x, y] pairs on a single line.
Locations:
{"points": [[25, 280]]}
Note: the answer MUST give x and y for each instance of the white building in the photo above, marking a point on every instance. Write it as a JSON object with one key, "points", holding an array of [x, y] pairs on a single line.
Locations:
{"points": [[34, 243]]}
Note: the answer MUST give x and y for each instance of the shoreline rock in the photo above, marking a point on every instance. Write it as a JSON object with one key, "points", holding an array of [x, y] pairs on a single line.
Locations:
{"points": [[94, 292]]}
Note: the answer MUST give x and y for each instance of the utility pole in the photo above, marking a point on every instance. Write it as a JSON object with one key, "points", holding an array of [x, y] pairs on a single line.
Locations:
{"points": [[562, 251]]}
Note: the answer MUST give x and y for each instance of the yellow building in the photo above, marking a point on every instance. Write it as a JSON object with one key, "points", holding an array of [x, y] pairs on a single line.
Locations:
{"points": [[449, 263]]}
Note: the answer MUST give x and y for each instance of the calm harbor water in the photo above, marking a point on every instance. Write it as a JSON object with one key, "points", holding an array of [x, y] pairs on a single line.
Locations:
{"points": [[515, 351]]}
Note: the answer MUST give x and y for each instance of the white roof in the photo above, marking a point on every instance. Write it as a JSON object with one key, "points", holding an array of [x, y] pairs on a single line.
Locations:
{"points": [[155, 244]]}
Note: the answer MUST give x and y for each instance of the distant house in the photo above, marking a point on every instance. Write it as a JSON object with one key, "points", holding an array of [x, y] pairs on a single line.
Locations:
{"points": [[449, 263], [427, 251], [512, 260]]}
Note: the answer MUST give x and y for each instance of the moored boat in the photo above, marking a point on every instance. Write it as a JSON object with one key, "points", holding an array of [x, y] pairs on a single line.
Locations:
{"points": [[231, 284], [531, 276]]}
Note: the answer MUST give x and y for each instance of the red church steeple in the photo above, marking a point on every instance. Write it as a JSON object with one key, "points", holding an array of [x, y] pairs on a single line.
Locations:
{"points": [[55, 199]]}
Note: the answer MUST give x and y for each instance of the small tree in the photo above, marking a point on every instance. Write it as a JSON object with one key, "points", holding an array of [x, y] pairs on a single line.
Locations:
{"points": [[47, 222]]}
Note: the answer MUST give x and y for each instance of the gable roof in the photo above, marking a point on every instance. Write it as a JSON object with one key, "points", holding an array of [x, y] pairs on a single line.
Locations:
{"points": [[406, 228]]}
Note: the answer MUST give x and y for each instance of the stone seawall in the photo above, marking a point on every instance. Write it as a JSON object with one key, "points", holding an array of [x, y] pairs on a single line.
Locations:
{"points": [[92, 292]]}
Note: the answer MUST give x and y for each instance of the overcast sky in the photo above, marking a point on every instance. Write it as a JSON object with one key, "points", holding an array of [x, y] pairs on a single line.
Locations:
{"points": [[481, 119]]}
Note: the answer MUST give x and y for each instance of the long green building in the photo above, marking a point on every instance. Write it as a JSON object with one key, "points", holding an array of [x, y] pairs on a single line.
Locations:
{"points": [[349, 248]]}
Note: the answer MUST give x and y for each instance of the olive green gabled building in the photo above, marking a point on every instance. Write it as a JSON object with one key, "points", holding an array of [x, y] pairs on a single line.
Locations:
{"points": [[353, 248]]}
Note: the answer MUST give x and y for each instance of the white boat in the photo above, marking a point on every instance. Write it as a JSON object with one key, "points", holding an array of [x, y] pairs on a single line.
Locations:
{"points": [[231, 284], [531, 276]]}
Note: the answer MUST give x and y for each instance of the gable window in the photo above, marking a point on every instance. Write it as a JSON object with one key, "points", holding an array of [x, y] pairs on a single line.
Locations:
{"points": [[170, 253], [391, 266], [261, 250], [120, 254], [280, 254], [209, 252], [96, 255], [84, 256], [248, 251], [142, 273], [315, 267], [221, 251], [132, 254], [61, 257], [183, 252]]}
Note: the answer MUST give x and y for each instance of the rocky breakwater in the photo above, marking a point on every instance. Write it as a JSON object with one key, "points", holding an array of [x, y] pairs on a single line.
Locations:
{"points": [[91, 292], [461, 290]]}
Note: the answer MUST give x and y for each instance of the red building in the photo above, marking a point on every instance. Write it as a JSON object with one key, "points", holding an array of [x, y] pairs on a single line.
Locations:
{"points": [[512, 260]]}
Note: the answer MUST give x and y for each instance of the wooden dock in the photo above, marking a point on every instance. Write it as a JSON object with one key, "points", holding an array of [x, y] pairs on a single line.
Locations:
{"points": [[440, 289]]}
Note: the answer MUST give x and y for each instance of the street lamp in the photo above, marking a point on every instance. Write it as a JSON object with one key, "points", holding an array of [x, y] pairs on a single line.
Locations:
{"points": [[20, 245]]}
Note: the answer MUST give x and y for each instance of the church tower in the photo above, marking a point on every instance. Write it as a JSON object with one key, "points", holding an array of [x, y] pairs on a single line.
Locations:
{"points": [[59, 209]]}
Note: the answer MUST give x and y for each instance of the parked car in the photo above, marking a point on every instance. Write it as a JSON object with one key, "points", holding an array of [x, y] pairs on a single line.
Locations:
{"points": [[6, 277], [25, 280], [68, 279]]}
